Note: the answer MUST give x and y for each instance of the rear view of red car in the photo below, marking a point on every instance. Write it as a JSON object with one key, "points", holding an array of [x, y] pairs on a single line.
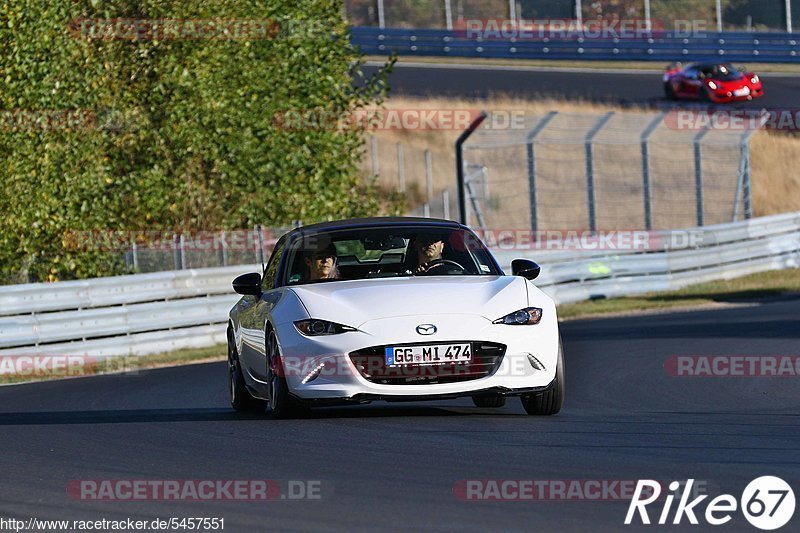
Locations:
{"points": [[711, 82]]}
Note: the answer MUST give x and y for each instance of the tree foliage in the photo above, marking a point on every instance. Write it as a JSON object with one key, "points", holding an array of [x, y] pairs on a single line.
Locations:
{"points": [[177, 133]]}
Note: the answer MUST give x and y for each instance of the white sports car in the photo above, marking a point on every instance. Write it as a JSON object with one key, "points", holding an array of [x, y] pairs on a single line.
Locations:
{"points": [[394, 309]]}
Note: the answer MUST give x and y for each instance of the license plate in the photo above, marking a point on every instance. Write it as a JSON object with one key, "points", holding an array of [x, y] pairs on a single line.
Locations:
{"points": [[742, 92], [428, 355]]}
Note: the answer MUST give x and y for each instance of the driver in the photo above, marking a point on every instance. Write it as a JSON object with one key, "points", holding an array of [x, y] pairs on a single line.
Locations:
{"points": [[321, 263], [429, 249]]}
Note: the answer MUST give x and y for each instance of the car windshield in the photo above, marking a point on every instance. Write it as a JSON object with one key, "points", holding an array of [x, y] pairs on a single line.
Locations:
{"points": [[386, 252], [722, 72]]}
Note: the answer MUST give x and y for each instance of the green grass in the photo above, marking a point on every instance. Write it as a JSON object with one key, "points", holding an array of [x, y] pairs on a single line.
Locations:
{"points": [[656, 66], [747, 289]]}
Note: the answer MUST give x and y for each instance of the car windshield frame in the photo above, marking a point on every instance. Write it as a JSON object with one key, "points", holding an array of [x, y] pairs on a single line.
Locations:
{"points": [[734, 74], [390, 263]]}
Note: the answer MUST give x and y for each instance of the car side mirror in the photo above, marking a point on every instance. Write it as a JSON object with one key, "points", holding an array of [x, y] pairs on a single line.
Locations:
{"points": [[526, 268], [248, 284]]}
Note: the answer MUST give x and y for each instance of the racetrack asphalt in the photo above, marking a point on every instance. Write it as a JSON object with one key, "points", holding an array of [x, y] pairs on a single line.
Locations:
{"points": [[394, 466], [635, 88]]}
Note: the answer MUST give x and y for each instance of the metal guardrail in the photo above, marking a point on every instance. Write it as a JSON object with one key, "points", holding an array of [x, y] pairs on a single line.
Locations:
{"points": [[763, 47], [122, 315], [151, 313]]}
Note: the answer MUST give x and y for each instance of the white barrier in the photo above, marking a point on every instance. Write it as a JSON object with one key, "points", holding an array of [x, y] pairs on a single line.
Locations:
{"points": [[150, 313]]}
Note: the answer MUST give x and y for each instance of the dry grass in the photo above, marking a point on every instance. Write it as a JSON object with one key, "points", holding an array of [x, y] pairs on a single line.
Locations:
{"points": [[655, 66], [746, 290], [776, 181], [776, 176]]}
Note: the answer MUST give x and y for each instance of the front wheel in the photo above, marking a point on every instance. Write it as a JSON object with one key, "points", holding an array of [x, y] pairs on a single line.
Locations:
{"points": [[241, 399], [669, 92], [280, 402], [549, 402]]}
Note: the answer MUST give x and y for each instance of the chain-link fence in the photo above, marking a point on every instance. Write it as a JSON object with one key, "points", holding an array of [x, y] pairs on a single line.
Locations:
{"points": [[607, 171], [421, 168], [160, 251], [751, 15]]}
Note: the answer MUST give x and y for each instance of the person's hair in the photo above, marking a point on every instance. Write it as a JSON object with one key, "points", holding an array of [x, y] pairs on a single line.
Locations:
{"points": [[327, 251]]}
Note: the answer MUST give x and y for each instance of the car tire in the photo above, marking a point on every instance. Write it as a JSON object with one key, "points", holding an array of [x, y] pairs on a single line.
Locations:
{"points": [[549, 402], [281, 402], [669, 93], [489, 401], [241, 399]]}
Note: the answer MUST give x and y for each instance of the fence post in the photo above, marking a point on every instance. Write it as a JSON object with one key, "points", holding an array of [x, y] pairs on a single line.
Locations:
{"points": [[176, 251], [401, 167], [698, 175], [532, 166], [374, 150], [646, 194], [260, 244], [183, 251], [743, 189], [590, 192], [429, 176], [135, 251], [381, 15], [448, 14], [746, 189], [222, 253], [462, 202]]}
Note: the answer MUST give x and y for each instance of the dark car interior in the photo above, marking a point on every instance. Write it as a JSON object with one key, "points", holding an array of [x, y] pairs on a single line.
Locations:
{"points": [[362, 256]]}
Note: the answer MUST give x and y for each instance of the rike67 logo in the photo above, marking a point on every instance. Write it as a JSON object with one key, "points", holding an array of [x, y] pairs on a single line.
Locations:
{"points": [[767, 503]]}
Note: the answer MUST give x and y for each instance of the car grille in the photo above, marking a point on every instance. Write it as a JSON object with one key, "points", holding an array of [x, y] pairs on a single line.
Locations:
{"points": [[371, 363]]}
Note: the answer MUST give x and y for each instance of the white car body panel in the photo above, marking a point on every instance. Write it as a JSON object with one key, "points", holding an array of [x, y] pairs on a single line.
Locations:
{"points": [[387, 312]]}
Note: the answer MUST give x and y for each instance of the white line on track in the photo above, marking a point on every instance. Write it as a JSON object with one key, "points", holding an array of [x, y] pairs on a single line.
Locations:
{"points": [[529, 68]]}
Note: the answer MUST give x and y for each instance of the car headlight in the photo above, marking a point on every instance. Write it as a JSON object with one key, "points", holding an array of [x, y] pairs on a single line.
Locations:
{"points": [[754, 79], [523, 317], [315, 328], [713, 85]]}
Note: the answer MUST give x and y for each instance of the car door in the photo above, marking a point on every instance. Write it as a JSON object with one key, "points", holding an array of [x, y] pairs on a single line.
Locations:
{"points": [[254, 315], [691, 83]]}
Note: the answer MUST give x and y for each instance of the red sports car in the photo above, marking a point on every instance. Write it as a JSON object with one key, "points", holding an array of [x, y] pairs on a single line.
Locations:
{"points": [[711, 82]]}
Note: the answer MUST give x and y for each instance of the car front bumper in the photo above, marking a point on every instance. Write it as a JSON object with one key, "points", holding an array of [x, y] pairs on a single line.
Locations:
{"points": [[319, 369]]}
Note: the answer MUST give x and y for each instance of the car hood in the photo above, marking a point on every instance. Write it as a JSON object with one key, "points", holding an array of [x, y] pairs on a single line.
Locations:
{"points": [[355, 302], [731, 85]]}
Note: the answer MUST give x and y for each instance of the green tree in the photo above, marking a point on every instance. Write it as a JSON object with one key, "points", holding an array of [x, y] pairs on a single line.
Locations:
{"points": [[180, 130]]}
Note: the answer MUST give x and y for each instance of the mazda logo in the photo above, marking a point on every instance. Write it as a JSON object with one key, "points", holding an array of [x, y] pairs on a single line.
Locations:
{"points": [[426, 329]]}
